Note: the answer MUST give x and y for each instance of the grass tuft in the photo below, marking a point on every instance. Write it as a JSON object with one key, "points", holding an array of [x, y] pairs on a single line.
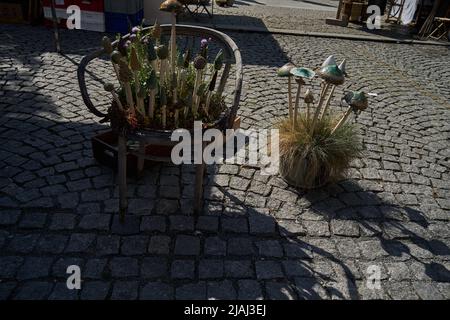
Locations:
{"points": [[312, 159]]}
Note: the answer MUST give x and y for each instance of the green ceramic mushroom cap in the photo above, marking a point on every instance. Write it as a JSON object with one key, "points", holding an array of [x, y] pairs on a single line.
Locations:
{"points": [[285, 71], [357, 100], [332, 74], [303, 73], [170, 6]]}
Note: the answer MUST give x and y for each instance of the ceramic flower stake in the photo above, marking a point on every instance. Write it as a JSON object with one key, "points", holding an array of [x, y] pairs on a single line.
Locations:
{"points": [[309, 98], [162, 52], [136, 67], [110, 88], [172, 6], [163, 102], [300, 74], [115, 59], [125, 76], [156, 31], [152, 86], [357, 101], [199, 65], [285, 71], [151, 55], [218, 64], [212, 85], [332, 76], [178, 109], [107, 46]]}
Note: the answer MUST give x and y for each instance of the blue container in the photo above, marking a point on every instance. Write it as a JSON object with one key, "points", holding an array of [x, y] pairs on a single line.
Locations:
{"points": [[119, 22]]}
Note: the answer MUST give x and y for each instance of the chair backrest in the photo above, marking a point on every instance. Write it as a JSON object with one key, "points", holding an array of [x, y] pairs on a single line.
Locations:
{"points": [[231, 52]]}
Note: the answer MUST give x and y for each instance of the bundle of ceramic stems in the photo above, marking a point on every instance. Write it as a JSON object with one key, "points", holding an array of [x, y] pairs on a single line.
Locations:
{"points": [[160, 86], [331, 75]]}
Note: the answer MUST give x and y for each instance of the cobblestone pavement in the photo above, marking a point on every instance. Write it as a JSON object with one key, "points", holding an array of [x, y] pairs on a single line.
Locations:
{"points": [[257, 238], [285, 18]]}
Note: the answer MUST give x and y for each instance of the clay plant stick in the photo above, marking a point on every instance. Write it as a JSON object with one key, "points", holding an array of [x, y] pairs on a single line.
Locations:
{"points": [[110, 88], [163, 101], [199, 64], [174, 89], [211, 87], [297, 100], [319, 106], [115, 60], [151, 103], [327, 103], [285, 71], [162, 52], [173, 42], [152, 86], [343, 119], [309, 98], [200, 92], [151, 55], [125, 76], [136, 67], [290, 97]]}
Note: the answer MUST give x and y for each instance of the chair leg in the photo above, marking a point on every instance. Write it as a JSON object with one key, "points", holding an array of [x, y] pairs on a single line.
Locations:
{"points": [[198, 193], [141, 160], [122, 173]]}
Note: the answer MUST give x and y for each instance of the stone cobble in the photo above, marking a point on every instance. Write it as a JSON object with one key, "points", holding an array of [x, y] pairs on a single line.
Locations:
{"points": [[257, 238]]}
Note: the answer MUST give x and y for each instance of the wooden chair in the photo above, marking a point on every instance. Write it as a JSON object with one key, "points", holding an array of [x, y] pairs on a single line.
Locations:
{"points": [[442, 29], [200, 7], [162, 137]]}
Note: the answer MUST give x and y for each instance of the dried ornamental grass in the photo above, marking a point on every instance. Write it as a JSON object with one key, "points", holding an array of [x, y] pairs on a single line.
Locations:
{"points": [[311, 160]]}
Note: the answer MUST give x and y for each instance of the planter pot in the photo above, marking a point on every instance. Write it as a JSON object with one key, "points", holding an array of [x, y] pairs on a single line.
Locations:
{"points": [[296, 173]]}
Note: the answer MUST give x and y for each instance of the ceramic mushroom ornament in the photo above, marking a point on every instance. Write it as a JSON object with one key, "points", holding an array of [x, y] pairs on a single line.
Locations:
{"points": [[309, 98], [152, 85], [357, 102], [199, 65], [300, 74], [136, 67], [110, 88], [332, 76], [125, 77], [285, 71], [341, 67], [162, 52]]}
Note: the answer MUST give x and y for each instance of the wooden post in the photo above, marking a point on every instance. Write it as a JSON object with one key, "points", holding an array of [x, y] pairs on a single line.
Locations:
{"points": [[338, 13], [141, 160], [198, 192], [122, 173], [55, 27]]}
